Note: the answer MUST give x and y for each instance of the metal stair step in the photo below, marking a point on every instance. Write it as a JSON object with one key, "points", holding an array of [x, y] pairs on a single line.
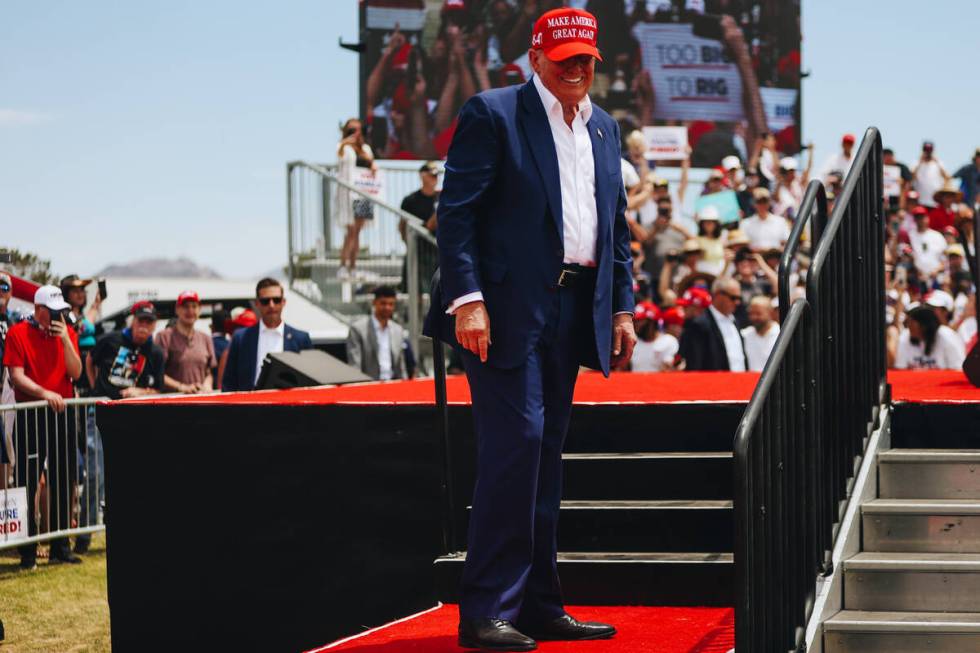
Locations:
{"points": [[645, 525], [852, 631], [667, 475], [624, 578], [929, 474], [914, 582], [936, 525]]}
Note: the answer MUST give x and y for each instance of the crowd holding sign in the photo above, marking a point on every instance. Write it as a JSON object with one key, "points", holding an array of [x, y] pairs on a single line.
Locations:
{"points": [[711, 66]]}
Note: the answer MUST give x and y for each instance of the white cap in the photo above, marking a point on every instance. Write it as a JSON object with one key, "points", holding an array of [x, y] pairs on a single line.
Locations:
{"points": [[50, 296], [787, 163], [710, 212], [731, 162], [940, 299]]}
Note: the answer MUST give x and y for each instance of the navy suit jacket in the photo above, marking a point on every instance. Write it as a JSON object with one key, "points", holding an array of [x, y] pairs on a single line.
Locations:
{"points": [[240, 368], [500, 225]]}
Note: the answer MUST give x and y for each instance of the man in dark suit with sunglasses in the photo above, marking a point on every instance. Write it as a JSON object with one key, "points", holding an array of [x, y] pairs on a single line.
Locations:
{"points": [[250, 346]]}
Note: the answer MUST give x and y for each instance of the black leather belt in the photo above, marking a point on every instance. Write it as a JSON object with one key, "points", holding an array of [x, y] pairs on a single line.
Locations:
{"points": [[572, 274]]}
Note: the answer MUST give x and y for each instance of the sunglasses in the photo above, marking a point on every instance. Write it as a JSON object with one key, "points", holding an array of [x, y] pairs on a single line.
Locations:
{"points": [[265, 301], [734, 298], [4, 287]]}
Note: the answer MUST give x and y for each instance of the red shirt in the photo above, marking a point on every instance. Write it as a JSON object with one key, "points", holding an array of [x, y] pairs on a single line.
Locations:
{"points": [[940, 218], [42, 357]]}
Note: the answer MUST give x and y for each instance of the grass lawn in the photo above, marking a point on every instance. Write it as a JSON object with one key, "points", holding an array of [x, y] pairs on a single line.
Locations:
{"points": [[57, 608]]}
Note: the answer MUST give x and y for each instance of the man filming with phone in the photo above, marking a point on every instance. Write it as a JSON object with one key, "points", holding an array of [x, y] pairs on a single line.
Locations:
{"points": [[42, 356]]}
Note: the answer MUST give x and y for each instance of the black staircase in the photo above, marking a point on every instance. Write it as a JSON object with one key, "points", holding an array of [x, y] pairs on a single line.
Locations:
{"points": [[647, 513]]}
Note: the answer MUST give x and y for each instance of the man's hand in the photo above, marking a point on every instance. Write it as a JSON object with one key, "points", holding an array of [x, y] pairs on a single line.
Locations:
{"points": [[624, 338], [473, 328], [57, 330], [55, 401]]}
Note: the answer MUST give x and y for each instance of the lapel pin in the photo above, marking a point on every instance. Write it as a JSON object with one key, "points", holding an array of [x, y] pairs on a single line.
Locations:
{"points": [[599, 131]]}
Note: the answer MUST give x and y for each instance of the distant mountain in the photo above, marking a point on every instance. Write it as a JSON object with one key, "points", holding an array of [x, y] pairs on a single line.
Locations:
{"points": [[179, 268]]}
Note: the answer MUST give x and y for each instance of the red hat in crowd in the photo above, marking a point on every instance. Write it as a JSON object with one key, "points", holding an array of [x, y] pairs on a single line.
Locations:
{"points": [[188, 296], [912, 195], [951, 230], [920, 210], [673, 316], [646, 310], [454, 5], [695, 297], [243, 319], [849, 138], [144, 308], [566, 32]]}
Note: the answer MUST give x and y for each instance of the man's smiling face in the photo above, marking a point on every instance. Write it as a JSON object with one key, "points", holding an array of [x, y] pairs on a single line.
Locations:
{"points": [[568, 80]]}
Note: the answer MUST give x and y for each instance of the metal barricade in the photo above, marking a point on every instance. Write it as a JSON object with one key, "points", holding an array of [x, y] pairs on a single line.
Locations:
{"points": [[52, 479]]}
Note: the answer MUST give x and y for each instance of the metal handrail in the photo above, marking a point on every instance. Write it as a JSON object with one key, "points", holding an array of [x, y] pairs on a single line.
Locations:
{"points": [[814, 205], [774, 456], [806, 424]]}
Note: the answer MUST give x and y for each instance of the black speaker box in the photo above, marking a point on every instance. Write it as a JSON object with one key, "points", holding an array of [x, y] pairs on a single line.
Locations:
{"points": [[971, 365], [290, 369]]}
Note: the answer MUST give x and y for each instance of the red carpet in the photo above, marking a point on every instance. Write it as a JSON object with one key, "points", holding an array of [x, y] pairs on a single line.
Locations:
{"points": [[941, 386], [653, 630]]}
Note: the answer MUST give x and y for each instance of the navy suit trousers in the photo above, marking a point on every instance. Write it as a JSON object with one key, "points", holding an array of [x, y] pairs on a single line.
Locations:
{"points": [[521, 417]]}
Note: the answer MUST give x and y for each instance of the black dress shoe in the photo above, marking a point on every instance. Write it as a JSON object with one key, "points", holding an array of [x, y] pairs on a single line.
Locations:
{"points": [[493, 635], [567, 628]]}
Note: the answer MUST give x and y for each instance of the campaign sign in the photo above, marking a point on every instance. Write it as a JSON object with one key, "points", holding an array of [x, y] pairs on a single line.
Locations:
{"points": [[13, 514], [693, 77], [368, 182], [725, 201], [665, 143], [892, 181], [779, 104]]}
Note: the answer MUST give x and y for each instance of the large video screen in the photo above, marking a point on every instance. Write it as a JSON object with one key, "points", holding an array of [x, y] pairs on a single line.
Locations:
{"points": [[727, 70]]}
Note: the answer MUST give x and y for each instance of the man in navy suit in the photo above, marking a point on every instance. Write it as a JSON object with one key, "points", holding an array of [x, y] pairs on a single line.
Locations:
{"points": [[249, 346], [535, 281]]}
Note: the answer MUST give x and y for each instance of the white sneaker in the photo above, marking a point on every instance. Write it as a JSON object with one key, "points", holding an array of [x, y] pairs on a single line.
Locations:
{"points": [[343, 272]]}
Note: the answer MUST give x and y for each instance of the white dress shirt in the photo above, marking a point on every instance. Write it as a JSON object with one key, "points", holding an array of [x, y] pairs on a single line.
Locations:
{"points": [[759, 346], [576, 176], [383, 335], [732, 338], [270, 342]]}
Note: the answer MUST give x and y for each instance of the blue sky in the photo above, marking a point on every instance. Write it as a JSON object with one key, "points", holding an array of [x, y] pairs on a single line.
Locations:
{"points": [[140, 129]]}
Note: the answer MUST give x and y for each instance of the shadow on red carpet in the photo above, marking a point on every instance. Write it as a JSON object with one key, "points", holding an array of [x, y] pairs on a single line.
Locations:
{"points": [[641, 630]]}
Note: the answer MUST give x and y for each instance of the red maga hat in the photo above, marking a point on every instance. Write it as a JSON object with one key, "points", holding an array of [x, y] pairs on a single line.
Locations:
{"points": [[673, 315], [188, 296], [695, 297], [646, 310], [566, 32]]}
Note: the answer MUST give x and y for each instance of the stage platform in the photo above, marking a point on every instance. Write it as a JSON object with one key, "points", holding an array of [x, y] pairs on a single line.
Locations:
{"points": [[925, 387], [641, 630]]}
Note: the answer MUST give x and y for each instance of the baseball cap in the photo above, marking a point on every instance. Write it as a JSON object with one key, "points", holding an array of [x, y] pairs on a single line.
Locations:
{"points": [[691, 245], [243, 317], [912, 195], [430, 167], [566, 32], [950, 231], [940, 299], [848, 138], [920, 211], [695, 297], [716, 173], [709, 212], [787, 163], [73, 281], [956, 250], [188, 296], [736, 237], [646, 310], [731, 162], [660, 182], [761, 194], [673, 315], [51, 297], [144, 309]]}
